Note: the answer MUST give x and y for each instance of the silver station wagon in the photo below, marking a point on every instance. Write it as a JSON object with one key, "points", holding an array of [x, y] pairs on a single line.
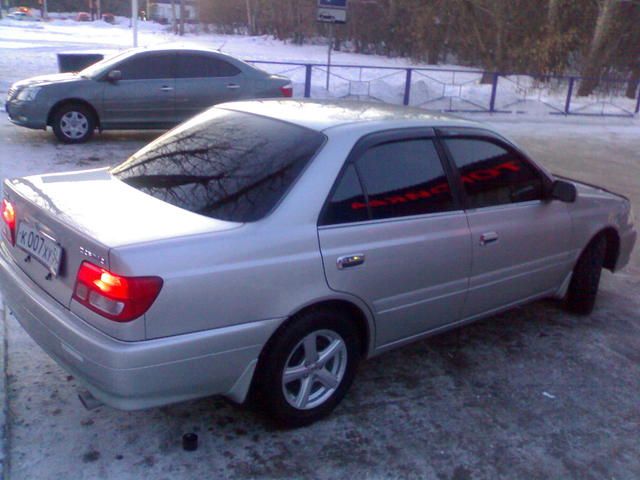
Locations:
{"points": [[264, 249]]}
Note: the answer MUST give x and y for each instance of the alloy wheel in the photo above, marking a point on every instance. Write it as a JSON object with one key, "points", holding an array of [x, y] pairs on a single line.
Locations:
{"points": [[314, 369]]}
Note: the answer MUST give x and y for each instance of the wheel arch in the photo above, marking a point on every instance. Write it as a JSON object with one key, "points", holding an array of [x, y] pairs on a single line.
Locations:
{"points": [[357, 311], [74, 101]]}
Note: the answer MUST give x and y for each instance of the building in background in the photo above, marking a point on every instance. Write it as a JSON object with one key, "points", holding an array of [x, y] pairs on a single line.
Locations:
{"points": [[160, 11]]}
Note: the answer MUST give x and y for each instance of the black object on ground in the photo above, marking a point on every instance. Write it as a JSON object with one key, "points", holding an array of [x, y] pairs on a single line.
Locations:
{"points": [[190, 442]]}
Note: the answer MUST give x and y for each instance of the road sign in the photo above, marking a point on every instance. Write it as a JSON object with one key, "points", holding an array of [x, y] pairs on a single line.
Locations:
{"points": [[332, 11]]}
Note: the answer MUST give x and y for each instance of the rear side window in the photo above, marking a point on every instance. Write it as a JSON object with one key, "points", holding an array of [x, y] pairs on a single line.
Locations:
{"points": [[396, 179], [148, 67], [404, 178], [227, 165], [347, 204], [492, 174], [204, 66]]}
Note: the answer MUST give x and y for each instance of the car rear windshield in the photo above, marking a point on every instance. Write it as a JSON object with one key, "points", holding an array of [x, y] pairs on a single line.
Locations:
{"points": [[223, 164]]}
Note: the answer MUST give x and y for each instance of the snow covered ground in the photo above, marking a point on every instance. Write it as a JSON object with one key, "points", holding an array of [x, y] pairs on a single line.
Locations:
{"points": [[441, 87]]}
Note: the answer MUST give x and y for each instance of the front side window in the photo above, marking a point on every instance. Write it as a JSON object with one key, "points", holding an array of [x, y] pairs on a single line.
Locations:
{"points": [[204, 66], [395, 179], [226, 165], [148, 67], [492, 174]]}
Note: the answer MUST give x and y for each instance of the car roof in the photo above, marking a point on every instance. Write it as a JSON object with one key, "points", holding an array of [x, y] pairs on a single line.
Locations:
{"points": [[178, 47], [321, 115]]}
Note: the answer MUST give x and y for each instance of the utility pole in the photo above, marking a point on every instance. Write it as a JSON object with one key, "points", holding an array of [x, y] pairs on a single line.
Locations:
{"points": [[134, 21], [181, 18], [174, 26], [249, 17]]}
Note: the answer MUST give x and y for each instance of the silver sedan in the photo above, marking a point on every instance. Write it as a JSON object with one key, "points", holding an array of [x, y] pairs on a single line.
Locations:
{"points": [[264, 249]]}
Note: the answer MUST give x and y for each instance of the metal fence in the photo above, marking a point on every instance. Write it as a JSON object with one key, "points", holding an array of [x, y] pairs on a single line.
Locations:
{"points": [[457, 90]]}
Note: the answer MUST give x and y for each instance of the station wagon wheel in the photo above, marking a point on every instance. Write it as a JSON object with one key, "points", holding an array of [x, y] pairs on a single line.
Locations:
{"points": [[73, 123], [307, 367]]}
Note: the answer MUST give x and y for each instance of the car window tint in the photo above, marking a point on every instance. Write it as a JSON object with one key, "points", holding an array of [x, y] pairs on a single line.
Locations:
{"points": [[147, 67], [404, 178], [227, 165], [494, 175], [204, 66], [347, 204]]}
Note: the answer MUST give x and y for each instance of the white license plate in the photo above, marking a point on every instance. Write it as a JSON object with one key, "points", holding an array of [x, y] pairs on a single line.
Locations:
{"points": [[40, 246]]}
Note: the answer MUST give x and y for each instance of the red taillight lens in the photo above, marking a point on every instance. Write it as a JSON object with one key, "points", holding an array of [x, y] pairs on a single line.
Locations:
{"points": [[119, 298], [287, 90], [9, 217]]}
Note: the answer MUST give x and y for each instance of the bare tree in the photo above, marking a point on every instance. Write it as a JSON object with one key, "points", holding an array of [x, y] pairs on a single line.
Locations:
{"points": [[597, 56]]}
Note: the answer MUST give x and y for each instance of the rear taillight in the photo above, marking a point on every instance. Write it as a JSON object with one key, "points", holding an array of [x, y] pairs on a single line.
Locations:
{"points": [[9, 218], [118, 298], [287, 90]]}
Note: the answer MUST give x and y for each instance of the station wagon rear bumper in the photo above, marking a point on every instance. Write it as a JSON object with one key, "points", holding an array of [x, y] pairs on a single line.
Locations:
{"points": [[134, 375]]}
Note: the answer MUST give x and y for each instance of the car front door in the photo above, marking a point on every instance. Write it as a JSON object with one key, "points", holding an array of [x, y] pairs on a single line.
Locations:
{"points": [[521, 239], [144, 97], [203, 80], [393, 234]]}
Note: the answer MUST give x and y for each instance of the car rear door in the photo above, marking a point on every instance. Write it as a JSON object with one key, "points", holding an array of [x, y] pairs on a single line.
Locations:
{"points": [[205, 79], [145, 95], [393, 233], [521, 240]]}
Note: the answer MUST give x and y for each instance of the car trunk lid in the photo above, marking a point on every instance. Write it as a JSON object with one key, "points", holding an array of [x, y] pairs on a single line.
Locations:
{"points": [[86, 214]]}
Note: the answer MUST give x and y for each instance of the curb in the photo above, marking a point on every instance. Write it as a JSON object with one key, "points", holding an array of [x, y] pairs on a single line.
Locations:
{"points": [[4, 450]]}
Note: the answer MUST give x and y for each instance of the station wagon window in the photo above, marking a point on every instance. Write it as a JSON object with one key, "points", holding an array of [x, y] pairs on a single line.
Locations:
{"points": [[148, 67], [203, 66], [492, 174], [223, 164], [400, 178]]}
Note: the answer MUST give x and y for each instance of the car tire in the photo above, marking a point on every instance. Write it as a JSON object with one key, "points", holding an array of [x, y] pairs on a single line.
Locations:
{"points": [[581, 295], [73, 123], [311, 390]]}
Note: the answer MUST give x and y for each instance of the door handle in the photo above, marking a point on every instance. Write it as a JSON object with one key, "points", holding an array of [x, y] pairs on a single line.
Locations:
{"points": [[166, 88], [233, 86], [350, 261], [489, 237]]}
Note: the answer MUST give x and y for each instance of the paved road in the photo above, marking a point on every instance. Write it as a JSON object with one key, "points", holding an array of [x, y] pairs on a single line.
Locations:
{"points": [[532, 393]]}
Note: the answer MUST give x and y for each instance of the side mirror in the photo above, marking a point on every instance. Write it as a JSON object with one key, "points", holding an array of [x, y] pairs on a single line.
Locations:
{"points": [[563, 191], [114, 75]]}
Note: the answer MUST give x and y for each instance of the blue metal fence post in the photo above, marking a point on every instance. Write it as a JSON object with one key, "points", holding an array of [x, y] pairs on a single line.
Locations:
{"points": [[407, 87], [307, 81], [638, 102], [567, 104], [494, 90]]}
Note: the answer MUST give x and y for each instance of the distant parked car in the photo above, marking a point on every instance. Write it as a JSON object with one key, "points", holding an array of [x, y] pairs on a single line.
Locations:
{"points": [[275, 244], [22, 16], [109, 18], [137, 89], [83, 17]]}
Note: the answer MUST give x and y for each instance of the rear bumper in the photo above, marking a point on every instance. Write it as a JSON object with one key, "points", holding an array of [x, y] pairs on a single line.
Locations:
{"points": [[134, 375]]}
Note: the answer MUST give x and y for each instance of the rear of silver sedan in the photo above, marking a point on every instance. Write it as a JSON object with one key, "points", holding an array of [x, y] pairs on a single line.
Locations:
{"points": [[120, 286]]}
